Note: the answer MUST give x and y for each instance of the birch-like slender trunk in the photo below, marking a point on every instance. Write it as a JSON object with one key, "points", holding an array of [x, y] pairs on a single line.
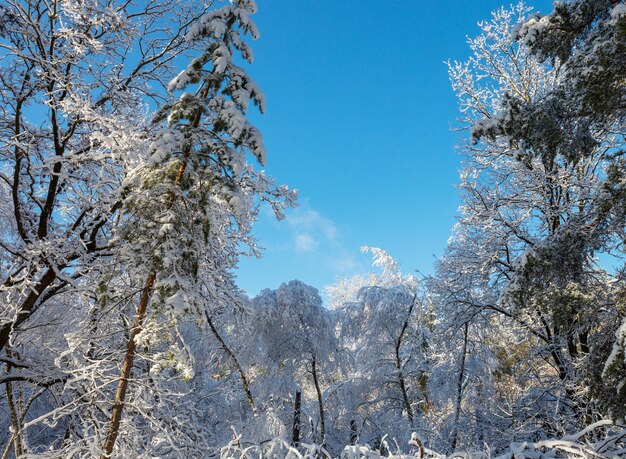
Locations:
{"points": [[234, 361], [15, 422], [459, 390], [320, 402], [401, 380]]}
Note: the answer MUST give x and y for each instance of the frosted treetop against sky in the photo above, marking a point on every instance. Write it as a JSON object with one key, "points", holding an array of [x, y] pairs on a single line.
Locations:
{"points": [[360, 119]]}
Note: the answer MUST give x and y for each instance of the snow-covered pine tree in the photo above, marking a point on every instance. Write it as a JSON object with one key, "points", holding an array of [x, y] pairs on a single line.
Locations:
{"points": [[190, 204]]}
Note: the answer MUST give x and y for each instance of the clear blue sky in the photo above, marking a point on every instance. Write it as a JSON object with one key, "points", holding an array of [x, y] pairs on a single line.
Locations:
{"points": [[359, 120]]}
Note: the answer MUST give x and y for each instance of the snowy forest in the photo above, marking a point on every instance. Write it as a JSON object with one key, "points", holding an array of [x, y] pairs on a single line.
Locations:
{"points": [[131, 177]]}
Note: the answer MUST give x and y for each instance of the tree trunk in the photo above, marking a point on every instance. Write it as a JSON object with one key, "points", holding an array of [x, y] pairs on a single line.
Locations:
{"points": [[127, 366], [297, 410], [320, 403], [29, 305], [354, 434], [233, 359], [406, 405], [15, 423], [459, 390]]}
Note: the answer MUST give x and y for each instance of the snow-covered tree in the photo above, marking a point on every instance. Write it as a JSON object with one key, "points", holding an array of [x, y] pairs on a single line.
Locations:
{"points": [[383, 323], [120, 232], [295, 351], [72, 112], [190, 203], [522, 254], [76, 80], [575, 124]]}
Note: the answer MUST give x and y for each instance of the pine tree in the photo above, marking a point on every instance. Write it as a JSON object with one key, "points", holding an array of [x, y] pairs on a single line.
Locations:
{"points": [[190, 205]]}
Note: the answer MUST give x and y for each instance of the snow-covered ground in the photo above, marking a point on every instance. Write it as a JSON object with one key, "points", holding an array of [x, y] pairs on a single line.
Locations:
{"points": [[601, 439]]}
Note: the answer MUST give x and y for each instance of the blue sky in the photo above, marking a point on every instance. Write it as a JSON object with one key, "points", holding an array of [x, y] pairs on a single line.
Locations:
{"points": [[359, 119]]}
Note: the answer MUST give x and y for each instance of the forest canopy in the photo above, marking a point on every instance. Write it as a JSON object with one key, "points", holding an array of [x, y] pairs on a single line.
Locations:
{"points": [[131, 177]]}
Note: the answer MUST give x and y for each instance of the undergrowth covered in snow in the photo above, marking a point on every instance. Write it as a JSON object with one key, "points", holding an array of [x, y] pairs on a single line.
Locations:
{"points": [[601, 439]]}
